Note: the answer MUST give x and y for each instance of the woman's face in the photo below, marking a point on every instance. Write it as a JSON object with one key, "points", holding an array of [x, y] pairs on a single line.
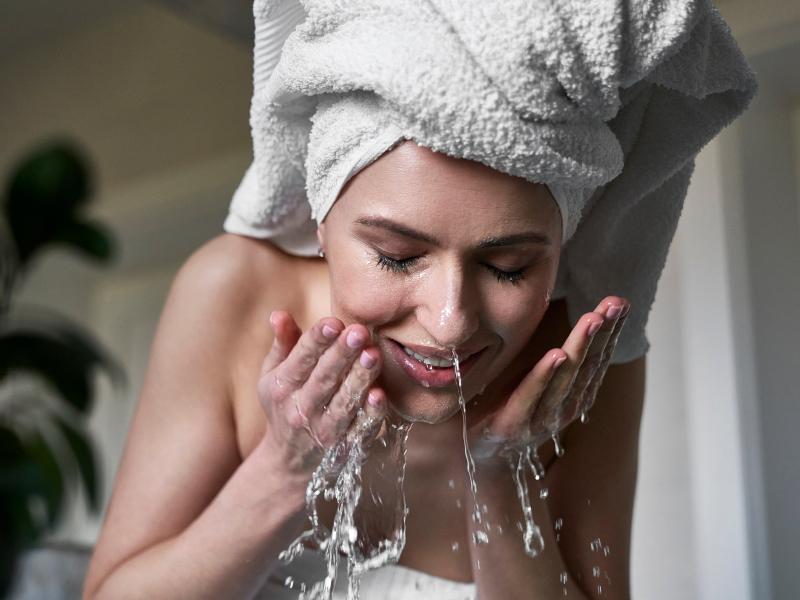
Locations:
{"points": [[433, 253]]}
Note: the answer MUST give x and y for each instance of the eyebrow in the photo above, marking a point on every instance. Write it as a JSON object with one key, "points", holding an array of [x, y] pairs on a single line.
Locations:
{"points": [[394, 227], [493, 242]]}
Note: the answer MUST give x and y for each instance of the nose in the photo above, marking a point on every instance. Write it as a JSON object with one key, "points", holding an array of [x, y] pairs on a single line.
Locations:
{"points": [[448, 308]]}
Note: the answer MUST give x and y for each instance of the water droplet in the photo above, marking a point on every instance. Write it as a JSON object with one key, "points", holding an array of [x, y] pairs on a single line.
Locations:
{"points": [[520, 527], [596, 571], [599, 590], [559, 524], [596, 545], [565, 591], [606, 550], [458, 503], [480, 391], [425, 384], [428, 367], [452, 484], [480, 537], [485, 509], [289, 582], [563, 578], [543, 493], [499, 530], [584, 418], [557, 443]]}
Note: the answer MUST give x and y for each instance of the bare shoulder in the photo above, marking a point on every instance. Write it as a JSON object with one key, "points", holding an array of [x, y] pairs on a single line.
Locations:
{"points": [[216, 318], [232, 273]]}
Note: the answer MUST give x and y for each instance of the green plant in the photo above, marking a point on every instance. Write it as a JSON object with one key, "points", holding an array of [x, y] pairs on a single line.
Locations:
{"points": [[47, 367]]}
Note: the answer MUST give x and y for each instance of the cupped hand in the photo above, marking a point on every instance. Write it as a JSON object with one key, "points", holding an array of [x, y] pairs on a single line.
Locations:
{"points": [[560, 388], [313, 387]]}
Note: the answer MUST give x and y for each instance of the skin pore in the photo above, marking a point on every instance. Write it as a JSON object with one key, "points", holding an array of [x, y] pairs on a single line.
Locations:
{"points": [[422, 250]]}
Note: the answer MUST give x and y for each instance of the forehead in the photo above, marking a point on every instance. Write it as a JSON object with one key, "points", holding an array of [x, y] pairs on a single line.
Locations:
{"points": [[436, 192]]}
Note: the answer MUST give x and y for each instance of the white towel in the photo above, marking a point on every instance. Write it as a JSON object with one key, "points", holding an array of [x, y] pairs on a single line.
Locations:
{"points": [[607, 102]]}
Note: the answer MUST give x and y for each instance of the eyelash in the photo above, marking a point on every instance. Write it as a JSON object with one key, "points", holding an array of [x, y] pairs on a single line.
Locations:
{"points": [[402, 265]]}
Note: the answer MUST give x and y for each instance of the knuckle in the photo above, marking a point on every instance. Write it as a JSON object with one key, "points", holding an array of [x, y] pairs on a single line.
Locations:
{"points": [[326, 378], [307, 361], [351, 396]]}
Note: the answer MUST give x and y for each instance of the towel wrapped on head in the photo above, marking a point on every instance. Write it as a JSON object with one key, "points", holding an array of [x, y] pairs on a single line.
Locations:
{"points": [[607, 102]]}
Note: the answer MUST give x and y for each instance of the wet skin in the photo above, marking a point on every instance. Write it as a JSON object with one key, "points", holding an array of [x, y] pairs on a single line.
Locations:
{"points": [[422, 251]]}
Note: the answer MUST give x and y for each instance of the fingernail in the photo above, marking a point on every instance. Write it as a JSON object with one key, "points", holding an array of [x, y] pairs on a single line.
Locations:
{"points": [[329, 332], [625, 310], [271, 318], [367, 360], [594, 327], [354, 340], [559, 362], [374, 400], [614, 311]]}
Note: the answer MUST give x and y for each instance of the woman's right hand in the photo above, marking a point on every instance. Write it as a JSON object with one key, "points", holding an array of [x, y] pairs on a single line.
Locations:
{"points": [[312, 386]]}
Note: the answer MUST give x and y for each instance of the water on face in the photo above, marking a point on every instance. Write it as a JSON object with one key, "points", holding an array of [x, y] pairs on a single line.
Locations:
{"points": [[369, 533]]}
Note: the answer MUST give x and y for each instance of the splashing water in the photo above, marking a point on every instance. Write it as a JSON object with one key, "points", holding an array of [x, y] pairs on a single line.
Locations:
{"points": [[532, 535], [354, 519], [479, 537], [557, 444]]}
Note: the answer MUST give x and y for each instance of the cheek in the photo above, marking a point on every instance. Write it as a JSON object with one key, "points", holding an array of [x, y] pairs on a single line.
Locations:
{"points": [[515, 313], [363, 293]]}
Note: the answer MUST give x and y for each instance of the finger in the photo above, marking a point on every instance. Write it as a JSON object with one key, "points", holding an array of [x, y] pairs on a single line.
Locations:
{"points": [[367, 424], [610, 309], [351, 394], [300, 363], [517, 413], [332, 367], [286, 335], [590, 395], [548, 412]]}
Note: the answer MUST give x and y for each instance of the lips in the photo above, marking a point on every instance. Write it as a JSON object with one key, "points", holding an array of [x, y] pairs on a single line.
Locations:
{"points": [[431, 369]]}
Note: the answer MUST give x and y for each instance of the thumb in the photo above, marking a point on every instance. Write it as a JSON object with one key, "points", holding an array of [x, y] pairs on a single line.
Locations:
{"points": [[287, 332]]}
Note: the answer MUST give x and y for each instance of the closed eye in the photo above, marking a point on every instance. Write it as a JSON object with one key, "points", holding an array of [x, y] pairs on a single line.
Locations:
{"points": [[511, 277], [395, 265]]}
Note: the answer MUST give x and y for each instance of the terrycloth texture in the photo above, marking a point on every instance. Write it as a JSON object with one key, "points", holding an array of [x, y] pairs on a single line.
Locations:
{"points": [[606, 102]]}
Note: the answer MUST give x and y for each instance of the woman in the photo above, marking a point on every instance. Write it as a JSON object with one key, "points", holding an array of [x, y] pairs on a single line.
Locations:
{"points": [[426, 253]]}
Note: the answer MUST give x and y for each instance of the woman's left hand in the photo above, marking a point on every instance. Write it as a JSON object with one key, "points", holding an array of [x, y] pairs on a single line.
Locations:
{"points": [[561, 387]]}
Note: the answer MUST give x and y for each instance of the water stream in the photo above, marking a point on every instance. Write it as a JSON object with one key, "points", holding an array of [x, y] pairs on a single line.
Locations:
{"points": [[480, 536], [370, 531]]}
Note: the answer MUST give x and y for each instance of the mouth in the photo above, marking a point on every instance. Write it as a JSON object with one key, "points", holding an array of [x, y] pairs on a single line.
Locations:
{"points": [[428, 367]]}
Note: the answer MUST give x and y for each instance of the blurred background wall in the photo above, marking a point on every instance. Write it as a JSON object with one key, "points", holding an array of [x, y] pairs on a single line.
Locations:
{"points": [[159, 100]]}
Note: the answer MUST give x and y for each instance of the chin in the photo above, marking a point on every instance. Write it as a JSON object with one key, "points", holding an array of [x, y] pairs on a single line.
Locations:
{"points": [[428, 407]]}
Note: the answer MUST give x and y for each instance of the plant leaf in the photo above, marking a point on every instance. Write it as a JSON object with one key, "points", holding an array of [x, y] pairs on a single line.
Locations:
{"points": [[90, 239], [53, 481], [84, 454], [43, 194], [18, 474], [66, 365]]}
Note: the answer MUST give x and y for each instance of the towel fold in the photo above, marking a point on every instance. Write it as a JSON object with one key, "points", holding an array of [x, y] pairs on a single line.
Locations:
{"points": [[606, 102]]}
